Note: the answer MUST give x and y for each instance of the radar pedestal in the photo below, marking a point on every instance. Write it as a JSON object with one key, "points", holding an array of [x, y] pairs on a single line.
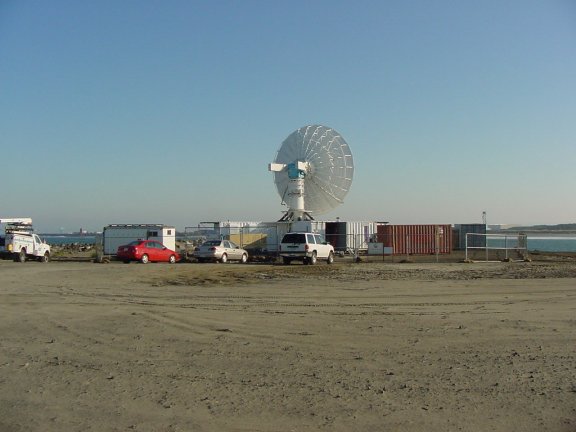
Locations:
{"points": [[294, 197]]}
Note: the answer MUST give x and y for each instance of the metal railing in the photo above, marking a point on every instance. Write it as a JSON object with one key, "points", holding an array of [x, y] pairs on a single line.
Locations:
{"points": [[496, 244]]}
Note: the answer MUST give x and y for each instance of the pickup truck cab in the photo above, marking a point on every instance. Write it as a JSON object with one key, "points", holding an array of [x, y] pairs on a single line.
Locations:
{"points": [[305, 247]]}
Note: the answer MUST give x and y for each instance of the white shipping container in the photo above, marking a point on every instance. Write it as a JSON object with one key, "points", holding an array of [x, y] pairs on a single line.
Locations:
{"points": [[117, 235]]}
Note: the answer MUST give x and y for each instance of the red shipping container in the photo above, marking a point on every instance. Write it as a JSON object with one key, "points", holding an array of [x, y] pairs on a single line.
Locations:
{"points": [[416, 239]]}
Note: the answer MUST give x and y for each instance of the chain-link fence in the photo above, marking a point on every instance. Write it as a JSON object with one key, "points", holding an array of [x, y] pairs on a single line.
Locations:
{"points": [[496, 247]]}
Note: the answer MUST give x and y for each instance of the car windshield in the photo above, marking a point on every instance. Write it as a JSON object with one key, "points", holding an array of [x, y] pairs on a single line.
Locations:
{"points": [[212, 243], [135, 243]]}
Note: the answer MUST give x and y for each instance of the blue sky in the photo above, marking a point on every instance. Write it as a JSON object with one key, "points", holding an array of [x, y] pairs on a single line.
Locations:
{"points": [[169, 111]]}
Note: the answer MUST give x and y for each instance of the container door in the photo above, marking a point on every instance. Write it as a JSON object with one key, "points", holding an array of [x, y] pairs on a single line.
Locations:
{"points": [[336, 235]]}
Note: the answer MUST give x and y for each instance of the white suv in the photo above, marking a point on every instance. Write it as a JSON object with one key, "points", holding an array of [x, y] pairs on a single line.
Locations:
{"points": [[306, 247]]}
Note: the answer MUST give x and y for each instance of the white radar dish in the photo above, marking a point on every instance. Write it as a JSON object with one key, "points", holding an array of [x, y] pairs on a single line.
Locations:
{"points": [[313, 171]]}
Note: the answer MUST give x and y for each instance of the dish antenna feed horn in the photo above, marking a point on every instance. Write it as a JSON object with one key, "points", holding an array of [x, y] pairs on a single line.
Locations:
{"points": [[313, 172]]}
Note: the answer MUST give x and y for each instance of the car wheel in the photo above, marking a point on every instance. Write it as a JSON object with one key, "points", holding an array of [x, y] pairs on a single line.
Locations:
{"points": [[286, 261], [224, 259], [244, 259], [45, 258], [330, 259], [144, 259], [21, 257], [172, 259], [312, 260]]}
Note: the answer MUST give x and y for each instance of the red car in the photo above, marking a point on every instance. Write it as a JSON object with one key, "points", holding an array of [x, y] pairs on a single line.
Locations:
{"points": [[146, 251]]}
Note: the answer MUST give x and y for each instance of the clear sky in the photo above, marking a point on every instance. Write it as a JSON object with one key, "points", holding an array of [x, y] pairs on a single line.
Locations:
{"points": [[169, 111]]}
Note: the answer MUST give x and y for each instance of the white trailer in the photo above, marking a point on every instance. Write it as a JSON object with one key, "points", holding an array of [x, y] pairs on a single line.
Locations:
{"points": [[120, 234]]}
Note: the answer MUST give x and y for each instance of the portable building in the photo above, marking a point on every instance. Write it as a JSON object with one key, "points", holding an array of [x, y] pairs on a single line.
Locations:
{"points": [[416, 239], [120, 234]]}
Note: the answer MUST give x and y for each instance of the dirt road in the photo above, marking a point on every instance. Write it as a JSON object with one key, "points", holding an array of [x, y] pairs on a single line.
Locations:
{"points": [[371, 347]]}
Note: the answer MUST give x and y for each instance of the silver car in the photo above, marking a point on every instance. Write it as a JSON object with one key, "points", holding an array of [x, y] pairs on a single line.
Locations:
{"points": [[220, 251]]}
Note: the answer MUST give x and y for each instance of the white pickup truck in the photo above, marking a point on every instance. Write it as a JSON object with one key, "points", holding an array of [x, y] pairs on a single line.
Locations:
{"points": [[20, 243]]}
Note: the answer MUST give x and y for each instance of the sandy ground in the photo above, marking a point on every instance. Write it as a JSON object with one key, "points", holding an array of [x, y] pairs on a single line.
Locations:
{"points": [[366, 347]]}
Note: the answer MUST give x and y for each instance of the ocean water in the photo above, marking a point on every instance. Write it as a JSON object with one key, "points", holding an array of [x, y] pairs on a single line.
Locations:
{"points": [[536, 242], [552, 243], [53, 239]]}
